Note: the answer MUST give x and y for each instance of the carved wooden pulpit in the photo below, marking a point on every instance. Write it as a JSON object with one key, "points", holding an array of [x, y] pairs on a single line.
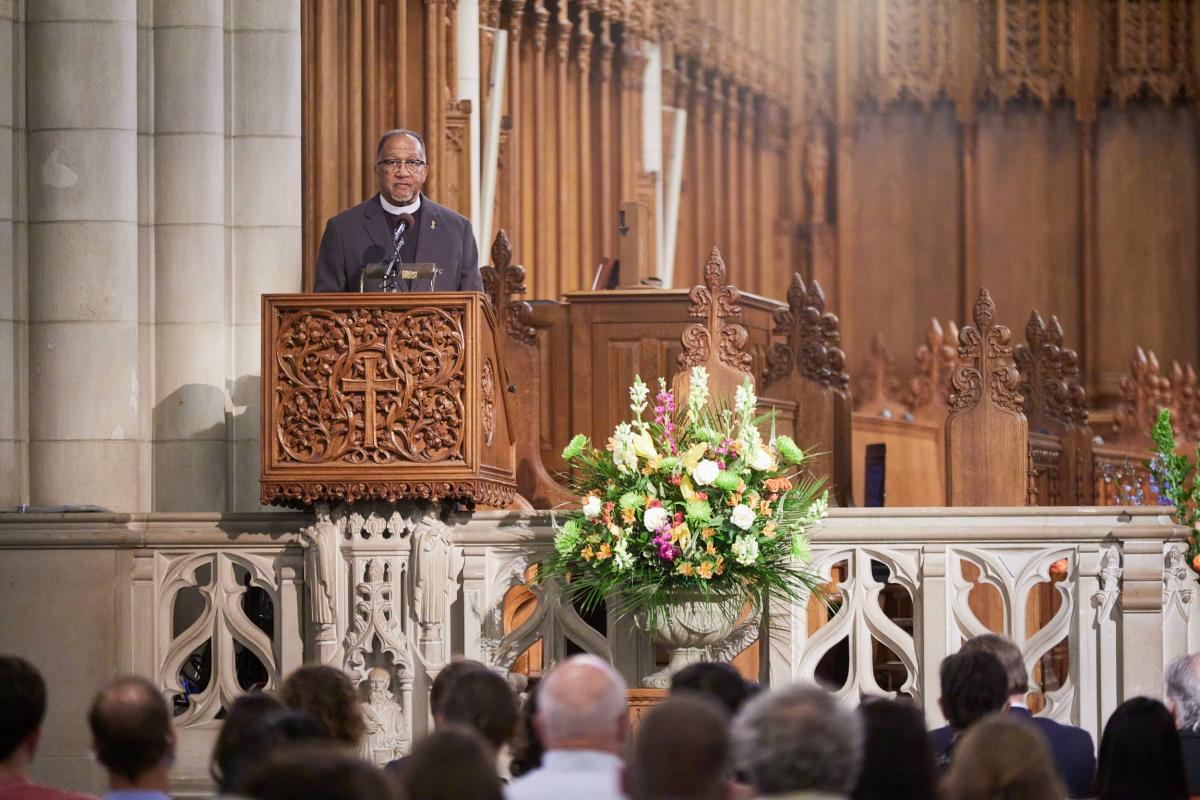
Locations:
{"points": [[384, 397]]}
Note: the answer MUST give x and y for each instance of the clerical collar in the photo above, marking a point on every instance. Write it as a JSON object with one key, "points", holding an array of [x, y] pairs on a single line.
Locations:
{"points": [[390, 208]]}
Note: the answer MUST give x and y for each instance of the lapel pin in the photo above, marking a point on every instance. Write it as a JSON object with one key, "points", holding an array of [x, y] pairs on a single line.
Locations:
{"points": [[433, 224]]}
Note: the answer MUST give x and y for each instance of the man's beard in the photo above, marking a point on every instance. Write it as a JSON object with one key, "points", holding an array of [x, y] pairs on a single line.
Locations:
{"points": [[380, 697]]}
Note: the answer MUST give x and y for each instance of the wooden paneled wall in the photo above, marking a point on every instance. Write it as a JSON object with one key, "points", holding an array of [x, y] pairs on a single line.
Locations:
{"points": [[903, 152]]}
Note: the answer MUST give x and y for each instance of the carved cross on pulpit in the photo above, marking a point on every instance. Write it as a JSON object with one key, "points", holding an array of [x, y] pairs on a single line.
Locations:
{"points": [[370, 388]]}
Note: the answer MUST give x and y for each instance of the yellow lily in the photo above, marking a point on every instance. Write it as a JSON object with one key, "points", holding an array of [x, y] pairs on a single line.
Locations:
{"points": [[692, 457], [643, 446]]}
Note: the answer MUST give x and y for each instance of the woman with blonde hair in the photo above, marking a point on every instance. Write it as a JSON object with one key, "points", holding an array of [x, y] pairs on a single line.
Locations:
{"points": [[1000, 758]]}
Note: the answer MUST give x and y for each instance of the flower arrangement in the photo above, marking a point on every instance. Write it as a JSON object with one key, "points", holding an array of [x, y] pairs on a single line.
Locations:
{"points": [[687, 500], [1173, 481]]}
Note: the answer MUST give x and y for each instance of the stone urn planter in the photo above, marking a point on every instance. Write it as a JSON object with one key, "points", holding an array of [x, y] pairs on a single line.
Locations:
{"points": [[687, 627]]}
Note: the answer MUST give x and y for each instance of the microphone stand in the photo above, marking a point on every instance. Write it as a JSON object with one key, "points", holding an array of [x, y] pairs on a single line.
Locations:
{"points": [[389, 275]]}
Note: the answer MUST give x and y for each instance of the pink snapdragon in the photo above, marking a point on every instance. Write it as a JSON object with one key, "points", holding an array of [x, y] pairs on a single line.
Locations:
{"points": [[664, 415]]}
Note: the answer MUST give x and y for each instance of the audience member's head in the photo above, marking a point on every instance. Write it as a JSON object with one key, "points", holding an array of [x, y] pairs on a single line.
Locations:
{"points": [[526, 747], [1140, 755], [716, 679], [798, 739], [581, 706], [1001, 757], [1009, 656], [898, 761], [681, 752], [445, 680], [1182, 689], [22, 709], [327, 695], [974, 684], [483, 701], [256, 724], [132, 734], [452, 763], [315, 772]]}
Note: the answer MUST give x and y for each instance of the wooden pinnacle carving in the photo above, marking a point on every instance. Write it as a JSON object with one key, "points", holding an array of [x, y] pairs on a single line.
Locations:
{"points": [[986, 371], [719, 338], [504, 284], [987, 436], [880, 388], [936, 361], [718, 343], [1144, 392]]}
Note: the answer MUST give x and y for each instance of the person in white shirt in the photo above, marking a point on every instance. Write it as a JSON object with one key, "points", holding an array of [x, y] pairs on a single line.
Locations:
{"points": [[582, 721]]}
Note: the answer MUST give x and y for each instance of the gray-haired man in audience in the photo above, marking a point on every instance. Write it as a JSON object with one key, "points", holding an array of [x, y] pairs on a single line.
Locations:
{"points": [[1182, 690], [798, 743], [581, 720]]}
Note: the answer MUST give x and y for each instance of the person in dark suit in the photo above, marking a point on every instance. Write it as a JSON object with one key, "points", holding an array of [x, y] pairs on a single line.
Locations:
{"points": [[1072, 749], [974, 686], [367, 233]]}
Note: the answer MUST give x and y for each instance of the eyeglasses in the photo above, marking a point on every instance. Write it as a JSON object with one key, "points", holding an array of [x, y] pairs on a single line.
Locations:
{"points": [[401, 165]]}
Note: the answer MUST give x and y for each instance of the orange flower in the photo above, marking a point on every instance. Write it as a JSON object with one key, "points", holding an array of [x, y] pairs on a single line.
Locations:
{"points": [[777, 484], [1196, 563], [709, 550], [708, 533], [684, 569], [769, 530], [720, 564], [705, 570], [1058, 570], [605, 552], [764, 509], [587, 553], [733, 499], [628, 515]]}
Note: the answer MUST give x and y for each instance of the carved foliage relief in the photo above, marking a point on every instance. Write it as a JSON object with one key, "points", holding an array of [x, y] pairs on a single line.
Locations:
{"points": [[718, 303], [370, 386], [986, 363]]}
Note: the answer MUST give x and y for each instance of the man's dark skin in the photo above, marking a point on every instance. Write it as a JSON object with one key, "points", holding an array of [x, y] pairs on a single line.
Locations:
{"points": [[401, 185]]}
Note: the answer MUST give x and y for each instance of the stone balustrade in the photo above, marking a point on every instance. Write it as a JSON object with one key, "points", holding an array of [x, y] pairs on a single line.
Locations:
{"points": [[211, 605]]}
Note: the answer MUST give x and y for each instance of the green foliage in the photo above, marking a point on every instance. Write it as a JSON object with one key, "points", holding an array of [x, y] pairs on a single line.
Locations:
{"points": [[1173, 479]]}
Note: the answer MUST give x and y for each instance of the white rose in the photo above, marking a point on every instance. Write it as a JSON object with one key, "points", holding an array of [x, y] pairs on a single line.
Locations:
{"points": [[705, 472], [655, 518], [742, 516], [591, 506], [761, 460]]}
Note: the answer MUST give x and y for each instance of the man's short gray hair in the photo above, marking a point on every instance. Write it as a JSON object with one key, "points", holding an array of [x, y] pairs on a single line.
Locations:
{"points": [[798, 738], [574, 705], [1181, 681], [394, 132]]}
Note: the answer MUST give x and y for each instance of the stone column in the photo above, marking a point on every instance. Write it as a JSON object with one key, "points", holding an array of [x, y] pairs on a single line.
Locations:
{"points": [[81, 91], [12, 383], [265, 191], [189, 450]]}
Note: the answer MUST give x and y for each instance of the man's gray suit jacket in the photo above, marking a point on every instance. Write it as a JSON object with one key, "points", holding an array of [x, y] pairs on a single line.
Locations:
{"points": [[361, 235]]}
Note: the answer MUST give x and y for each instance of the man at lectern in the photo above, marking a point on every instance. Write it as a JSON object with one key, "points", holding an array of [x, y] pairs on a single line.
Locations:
{"points": [[397, 227]]}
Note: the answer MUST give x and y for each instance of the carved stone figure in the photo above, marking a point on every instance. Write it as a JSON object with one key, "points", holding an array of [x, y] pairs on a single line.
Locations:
{"points": [[386, 734], [320, 567], [432, 553]]}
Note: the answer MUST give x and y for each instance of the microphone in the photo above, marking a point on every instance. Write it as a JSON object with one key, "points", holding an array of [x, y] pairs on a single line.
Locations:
{"points": [[406, 222]]}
